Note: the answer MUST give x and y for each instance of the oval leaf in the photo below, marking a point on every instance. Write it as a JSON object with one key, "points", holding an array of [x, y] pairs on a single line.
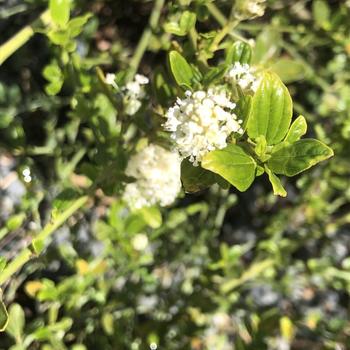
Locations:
{"points": [[271, 111], [16, 321], [181, 70], [296, 130], [239, 52], [299, 156], [187, 21], [233, 164], [59, 10]]}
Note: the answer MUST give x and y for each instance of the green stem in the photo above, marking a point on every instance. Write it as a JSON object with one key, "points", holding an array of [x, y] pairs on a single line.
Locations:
{"points": [[26, 254], [227, 28], [217, 14], [19, 39], [193, 36], [145, 39], [222, 20]]}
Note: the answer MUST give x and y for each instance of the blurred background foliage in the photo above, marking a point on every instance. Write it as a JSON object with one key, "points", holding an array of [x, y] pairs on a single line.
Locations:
{"points": [[217, 271]]}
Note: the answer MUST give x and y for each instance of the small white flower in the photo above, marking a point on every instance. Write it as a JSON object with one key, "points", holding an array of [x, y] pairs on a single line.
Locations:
{"points": [[134, 92], [242, 75], [140, 242], [110, 80], [141, 79], [248, 9], [201, 122], [157, 174]]}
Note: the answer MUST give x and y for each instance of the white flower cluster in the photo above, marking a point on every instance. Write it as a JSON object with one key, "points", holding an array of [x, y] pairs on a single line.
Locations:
{"points": [[157, 174], [133, 91], [201, 123], [242, 75]]}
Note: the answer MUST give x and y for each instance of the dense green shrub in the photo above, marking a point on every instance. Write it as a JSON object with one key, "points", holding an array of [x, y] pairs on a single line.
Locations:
{"points": [[85, 264]]}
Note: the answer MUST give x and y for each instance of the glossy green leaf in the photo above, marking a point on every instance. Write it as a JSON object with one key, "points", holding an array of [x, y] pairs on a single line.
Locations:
{"points": [[271, 110], [181, 70], [233, 164], [239, 52], [296, 130], [277, 186], [299, 156], [3, 317], [59, 10], [195, 179]]}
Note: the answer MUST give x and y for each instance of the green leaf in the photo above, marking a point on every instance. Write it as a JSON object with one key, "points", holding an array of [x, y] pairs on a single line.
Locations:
{"points": [[15, 221], [187, 21], [278, 189], [59, 10], [239, 52], [54, 75], [195, 178], [296, 130], [271, 111], [321, 13], [173, 28], [181, 70], [299, 156], [16, 322], [289, 70], [261, 146], [152, 216], [233, 164], [76, 25], [4, 318]]}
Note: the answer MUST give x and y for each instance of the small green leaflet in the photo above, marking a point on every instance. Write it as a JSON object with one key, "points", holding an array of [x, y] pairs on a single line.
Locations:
{"points": [[277, 187], [233, 164], [296, 130], [181, 70]]}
